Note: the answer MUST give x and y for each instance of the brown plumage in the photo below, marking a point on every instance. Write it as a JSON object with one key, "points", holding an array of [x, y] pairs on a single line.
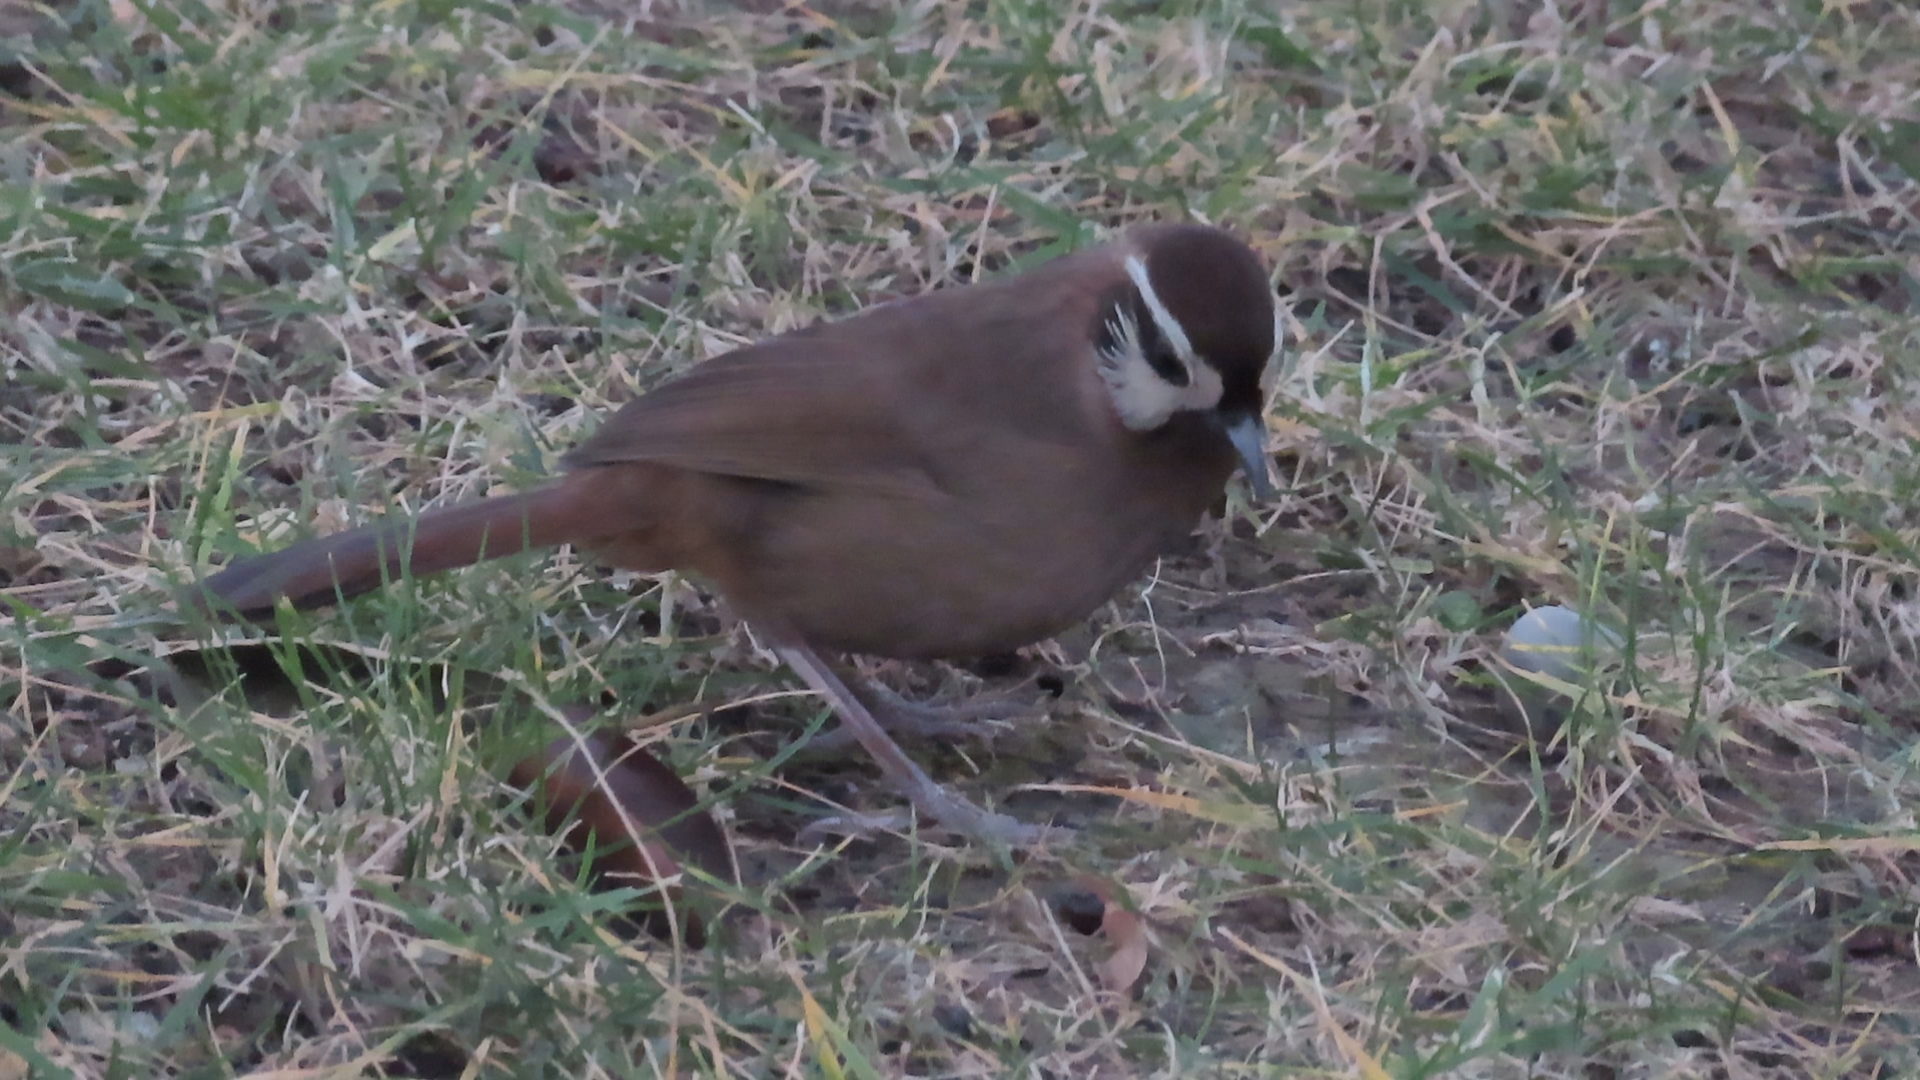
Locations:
{"points": [[944, 476]]}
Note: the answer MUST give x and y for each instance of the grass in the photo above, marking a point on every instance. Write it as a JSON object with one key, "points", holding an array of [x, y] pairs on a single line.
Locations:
{"points": [[1603, 304]]}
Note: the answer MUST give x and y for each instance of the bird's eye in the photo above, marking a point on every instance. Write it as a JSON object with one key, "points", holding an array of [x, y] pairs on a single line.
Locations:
{"points": [[1126, 327], [1166, 363]]}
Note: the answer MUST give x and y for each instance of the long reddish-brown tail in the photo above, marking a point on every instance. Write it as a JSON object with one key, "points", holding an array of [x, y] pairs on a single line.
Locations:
{"points": [[318, 572]]}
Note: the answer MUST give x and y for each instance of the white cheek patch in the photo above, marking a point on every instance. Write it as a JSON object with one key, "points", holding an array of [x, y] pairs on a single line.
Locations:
{"points": [[1203, 389], [1143, 397]]}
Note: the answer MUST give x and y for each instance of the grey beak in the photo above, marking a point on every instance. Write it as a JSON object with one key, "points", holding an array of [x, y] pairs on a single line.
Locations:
{"points": [[1249, 438]]}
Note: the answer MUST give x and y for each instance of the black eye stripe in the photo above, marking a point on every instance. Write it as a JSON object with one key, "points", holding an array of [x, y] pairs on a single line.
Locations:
{"points": [[1154, 345], [1125, 304]]}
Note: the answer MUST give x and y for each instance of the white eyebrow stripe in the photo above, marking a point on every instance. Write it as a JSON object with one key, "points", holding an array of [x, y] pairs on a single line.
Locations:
{"points": [[1169, 327]]}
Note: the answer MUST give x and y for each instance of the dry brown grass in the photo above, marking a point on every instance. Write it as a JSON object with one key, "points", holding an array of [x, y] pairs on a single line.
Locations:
{"points": [[1605, 305]]}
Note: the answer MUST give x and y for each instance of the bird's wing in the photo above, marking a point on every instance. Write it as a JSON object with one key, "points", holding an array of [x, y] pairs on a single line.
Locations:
{"points": [[804, 409]]}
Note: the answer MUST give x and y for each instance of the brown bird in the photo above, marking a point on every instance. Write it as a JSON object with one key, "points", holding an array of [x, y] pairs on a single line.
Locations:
{"points": [[951, 475]]}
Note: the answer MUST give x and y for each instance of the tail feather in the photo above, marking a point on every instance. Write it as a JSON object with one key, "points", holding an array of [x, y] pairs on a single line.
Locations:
{"points": [[315, 573]]}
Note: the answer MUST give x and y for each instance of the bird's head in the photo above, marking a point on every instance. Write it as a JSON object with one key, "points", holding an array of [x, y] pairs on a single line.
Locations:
{"points": [[1190, 329]]}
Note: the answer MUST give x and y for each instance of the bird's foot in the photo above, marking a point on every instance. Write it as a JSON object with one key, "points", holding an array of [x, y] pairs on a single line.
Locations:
{"points": [[930, 799], [962, 817], [956, 813]]}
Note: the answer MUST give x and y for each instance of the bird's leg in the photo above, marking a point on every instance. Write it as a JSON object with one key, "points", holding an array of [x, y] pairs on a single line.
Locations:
{"points": [[929, 798]]}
